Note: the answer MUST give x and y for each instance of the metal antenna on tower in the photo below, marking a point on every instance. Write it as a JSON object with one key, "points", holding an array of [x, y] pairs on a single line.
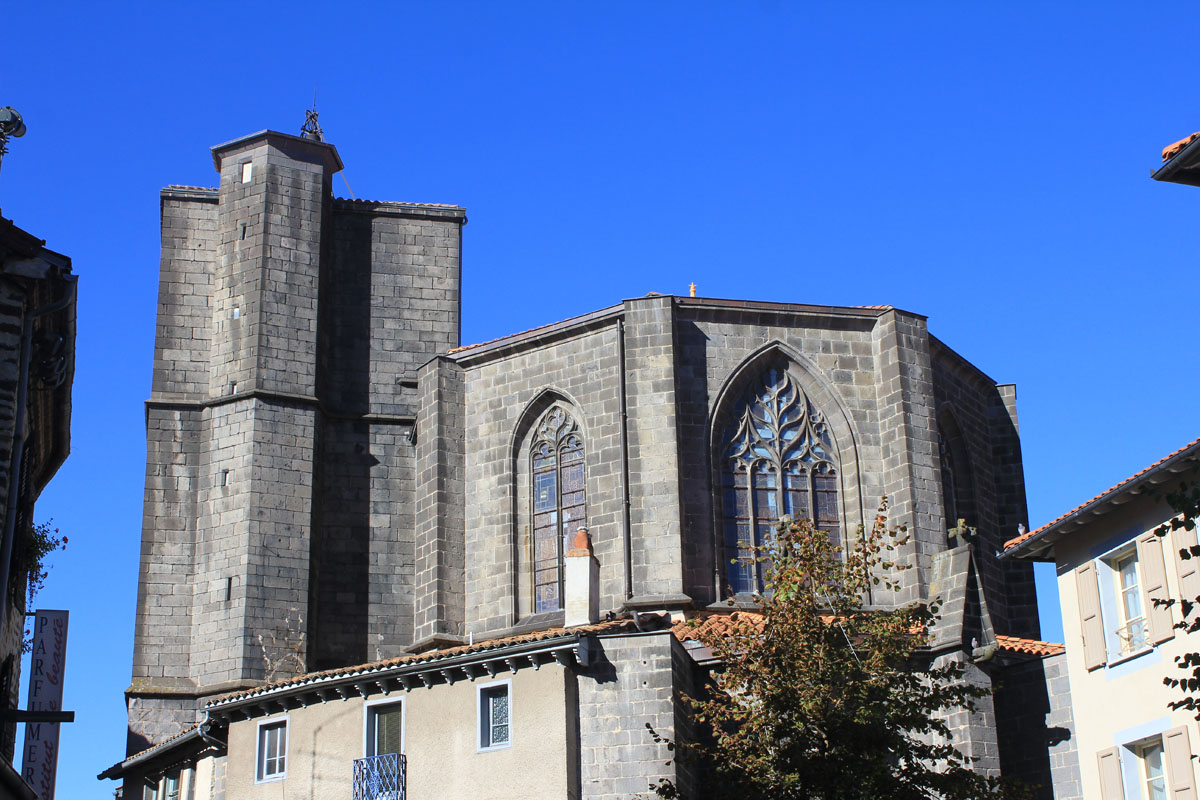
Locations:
{"points": [[11, 127], [311, 129]]}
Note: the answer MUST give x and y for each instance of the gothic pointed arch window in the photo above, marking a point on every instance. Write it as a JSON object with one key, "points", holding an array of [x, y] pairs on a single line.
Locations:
{"points": [[558, 477], [777, 457]]}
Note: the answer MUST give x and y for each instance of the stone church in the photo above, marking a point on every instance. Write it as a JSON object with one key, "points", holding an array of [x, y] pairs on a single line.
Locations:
{"points": [[336, 487]]}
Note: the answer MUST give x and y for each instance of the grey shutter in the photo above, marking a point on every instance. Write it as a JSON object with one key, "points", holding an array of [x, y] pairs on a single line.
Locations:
{"points": [[388, 730], [1154, 587], [1188, 569], [1095, 652], [1111, 787], [1181, 782]]}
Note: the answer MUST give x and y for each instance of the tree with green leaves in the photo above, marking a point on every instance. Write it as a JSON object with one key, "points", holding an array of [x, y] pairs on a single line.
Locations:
{"points": [[824, 698], [1185, 502]]}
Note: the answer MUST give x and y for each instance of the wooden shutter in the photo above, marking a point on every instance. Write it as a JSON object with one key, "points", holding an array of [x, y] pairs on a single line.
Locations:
{"points": [[1189, 568], [1111, 787], [1095, 651], [1181, 781], [1154, 587]]}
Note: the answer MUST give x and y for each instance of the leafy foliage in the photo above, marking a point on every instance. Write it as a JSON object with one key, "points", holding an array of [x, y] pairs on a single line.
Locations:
{"points": [[827, 699], [1185, 502], [41, 540]]}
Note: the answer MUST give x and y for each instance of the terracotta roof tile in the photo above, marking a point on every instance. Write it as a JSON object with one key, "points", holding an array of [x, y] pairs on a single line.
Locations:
{"points": [[698, 626], [193, 188], [1030, 534], [113, 771], [1173, 149], [612, 626], [1032, 647]]}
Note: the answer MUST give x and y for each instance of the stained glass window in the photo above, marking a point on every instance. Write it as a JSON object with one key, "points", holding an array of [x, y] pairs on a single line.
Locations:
{"points": [[559, 509], [777, 458]]}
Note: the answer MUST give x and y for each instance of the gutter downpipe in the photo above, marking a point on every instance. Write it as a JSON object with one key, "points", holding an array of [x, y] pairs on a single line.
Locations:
{"points": [[625, 525], [10, 520]]}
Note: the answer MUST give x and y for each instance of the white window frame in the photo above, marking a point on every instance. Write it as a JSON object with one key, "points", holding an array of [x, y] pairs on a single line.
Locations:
{"points": [[369, 737], [285, 723], [480, 690], [1143, 777], [1117, 651]]}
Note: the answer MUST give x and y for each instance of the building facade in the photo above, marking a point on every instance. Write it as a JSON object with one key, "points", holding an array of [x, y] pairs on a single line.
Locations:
{"points": [[332, 479], [37, 369], [1121, 584]]}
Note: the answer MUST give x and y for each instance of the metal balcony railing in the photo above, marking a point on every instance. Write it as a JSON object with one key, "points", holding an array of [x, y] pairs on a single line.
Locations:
{"points": [[379, 777], [1132, 635]]}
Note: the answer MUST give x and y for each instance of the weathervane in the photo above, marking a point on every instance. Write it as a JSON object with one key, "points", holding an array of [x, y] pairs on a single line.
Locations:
{"points": [[311, 129]]}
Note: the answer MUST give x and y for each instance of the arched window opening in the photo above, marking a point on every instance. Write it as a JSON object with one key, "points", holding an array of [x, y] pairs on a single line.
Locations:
{"points": [[557, 470], [777, 457], [958, 480]]}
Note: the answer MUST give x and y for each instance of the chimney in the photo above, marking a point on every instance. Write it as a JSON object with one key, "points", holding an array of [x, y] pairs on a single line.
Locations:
{"points": [[582, 582]]}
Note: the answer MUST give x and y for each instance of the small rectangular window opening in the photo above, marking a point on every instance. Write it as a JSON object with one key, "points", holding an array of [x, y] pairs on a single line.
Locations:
{"points": [[272, 751], [228, 589], [224, 477], [243, 230], [247, 172], [233, 387], [494, 717], [237, 312]]}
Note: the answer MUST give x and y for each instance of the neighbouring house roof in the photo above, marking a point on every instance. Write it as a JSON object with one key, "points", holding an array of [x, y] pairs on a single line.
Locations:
{"points": [[1036, 543], [425, 667], [1029, 647], [186, 736], [1181, 162]]}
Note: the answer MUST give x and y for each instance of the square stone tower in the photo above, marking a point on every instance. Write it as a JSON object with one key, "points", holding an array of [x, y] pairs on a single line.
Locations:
{"points": [[280, 449]]}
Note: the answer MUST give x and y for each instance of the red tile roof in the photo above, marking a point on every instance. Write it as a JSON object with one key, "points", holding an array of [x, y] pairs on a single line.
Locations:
{"points": [[1031, 647], [1030, 534], [612, 626], [698, 626], [1173, 149]]}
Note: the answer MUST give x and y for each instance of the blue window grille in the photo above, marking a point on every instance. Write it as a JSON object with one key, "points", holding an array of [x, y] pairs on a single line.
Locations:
{"points": [[380, 777]]}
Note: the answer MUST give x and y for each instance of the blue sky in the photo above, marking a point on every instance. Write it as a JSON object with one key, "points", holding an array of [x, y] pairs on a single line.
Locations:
{"points": [[985, 165]]}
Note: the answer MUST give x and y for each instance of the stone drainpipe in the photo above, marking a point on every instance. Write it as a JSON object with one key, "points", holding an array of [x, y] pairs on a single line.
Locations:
{"points": [[582, 579]]}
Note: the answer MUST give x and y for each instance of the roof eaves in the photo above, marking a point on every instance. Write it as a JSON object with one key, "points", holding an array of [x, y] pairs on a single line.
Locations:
{"points": [[1035, 543], [1187, 157], [178, 740]]}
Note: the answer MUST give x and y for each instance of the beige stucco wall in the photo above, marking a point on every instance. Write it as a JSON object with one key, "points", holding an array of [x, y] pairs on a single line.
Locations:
{"points": [[440, 742], [1126, 700]]}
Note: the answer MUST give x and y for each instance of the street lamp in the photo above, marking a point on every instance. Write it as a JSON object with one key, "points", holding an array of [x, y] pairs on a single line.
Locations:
{"points": [[11, 126]]}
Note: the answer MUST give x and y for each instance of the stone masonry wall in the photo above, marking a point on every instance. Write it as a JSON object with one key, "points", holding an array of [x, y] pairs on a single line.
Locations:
{"points": [[439, 547], [1036, 729], [975, 405], [629, 685], [505, 394]]}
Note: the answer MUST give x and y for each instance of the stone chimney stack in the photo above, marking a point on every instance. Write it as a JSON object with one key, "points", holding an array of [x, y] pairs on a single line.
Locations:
{"points": [[582, 582]]}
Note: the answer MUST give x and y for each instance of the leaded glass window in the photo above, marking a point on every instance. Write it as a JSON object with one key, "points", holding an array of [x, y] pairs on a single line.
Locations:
{"points": [[557, 468], [777, 458], [494, 717]]}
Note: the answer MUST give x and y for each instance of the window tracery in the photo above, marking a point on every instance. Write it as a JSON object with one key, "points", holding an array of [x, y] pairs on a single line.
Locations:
{"points": [[558, 502], [777, 458]]}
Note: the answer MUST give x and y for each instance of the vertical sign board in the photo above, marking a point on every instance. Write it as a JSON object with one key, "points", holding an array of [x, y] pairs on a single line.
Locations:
{"points": [[47, 664]]}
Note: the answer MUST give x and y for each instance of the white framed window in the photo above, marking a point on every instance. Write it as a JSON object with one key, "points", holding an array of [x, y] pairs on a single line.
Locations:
{"points": [[247, 172], [494, 702], [1131, 616], [383, 727], [171, 786], [272, 750], [1152, 774]]}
